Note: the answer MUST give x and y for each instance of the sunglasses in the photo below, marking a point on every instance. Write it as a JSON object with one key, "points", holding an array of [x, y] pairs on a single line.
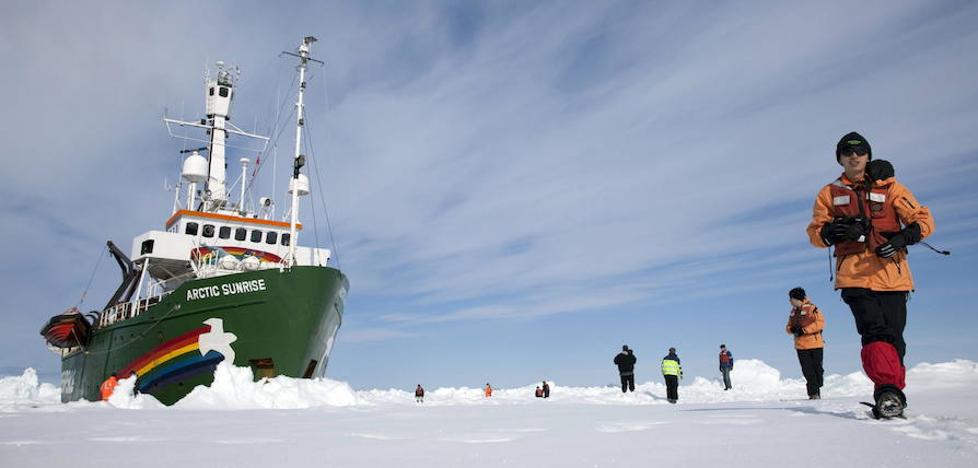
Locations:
{"points": [[854, 152]]}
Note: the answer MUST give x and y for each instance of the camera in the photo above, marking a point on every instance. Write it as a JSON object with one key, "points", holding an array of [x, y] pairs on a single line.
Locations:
{"points": [[857, 227]]}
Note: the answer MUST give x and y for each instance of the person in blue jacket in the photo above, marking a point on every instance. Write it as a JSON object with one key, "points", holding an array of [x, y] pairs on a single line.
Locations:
{"points": [[726, 365]]}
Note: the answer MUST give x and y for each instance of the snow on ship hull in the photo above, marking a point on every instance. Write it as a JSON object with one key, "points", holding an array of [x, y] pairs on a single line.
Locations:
{"points": [[278, 322]]}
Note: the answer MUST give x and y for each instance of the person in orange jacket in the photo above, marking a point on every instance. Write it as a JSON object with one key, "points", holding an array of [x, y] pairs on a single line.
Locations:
{"points": [[488, 390], [806, 323], [108, 386], [870, 219]]}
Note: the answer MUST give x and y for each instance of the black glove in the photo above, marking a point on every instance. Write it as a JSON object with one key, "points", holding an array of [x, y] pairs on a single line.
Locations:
{"points": [[879, 169], [842, 230], [797, 331], [910, 235]]}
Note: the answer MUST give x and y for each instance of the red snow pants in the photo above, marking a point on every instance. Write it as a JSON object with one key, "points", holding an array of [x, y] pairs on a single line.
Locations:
{"points": [[880, 318]]}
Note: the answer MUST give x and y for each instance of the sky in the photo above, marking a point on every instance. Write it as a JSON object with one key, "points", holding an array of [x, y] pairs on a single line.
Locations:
{"points": [[514, 189]]}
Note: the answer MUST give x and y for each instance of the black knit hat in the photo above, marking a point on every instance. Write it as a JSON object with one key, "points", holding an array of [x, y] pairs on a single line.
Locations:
{"points": [[855, 141], [797, 293]]}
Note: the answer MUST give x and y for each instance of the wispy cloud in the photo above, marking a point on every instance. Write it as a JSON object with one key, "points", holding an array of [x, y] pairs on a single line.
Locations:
{"points": [[498, 161]]}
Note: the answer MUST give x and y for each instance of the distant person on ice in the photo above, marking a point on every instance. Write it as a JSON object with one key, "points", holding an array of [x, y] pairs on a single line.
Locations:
{"points": [[871, 218], [488, 390], [419, 394], [108, 386], [539, 392], [672, 371], [726, 365], [625, 360], [806, 323], [546, 389]]}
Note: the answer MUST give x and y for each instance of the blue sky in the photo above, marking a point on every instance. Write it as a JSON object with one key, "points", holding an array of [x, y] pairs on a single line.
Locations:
{"points": [[516, 189]]}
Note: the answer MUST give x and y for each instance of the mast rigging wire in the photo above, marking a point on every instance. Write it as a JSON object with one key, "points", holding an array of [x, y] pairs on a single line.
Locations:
{"points": [[321, 189], [91, 278]]}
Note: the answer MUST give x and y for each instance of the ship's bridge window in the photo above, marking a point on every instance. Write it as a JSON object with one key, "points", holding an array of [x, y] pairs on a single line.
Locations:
{"points": [[240, 234], [272, 237], [208, 230], [212, 91], [256, 236], [223, 92], [191, 229], [286, 237], [146, 247], [224, 232]]}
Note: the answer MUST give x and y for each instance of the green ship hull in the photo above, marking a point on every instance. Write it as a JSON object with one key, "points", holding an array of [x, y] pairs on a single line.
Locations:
{"points": [[278, 322]]}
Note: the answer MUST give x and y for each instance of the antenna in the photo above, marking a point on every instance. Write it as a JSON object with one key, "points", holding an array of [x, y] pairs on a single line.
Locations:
{"points": [[303, 54]]}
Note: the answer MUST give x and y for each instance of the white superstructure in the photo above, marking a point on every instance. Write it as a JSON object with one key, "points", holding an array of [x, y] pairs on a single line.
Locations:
{"points": [[209, 234]]}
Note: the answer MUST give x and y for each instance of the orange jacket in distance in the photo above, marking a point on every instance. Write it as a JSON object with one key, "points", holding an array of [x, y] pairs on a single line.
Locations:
{"points": [[108, 387], [488, 391], [813, 321], [864, 269]]}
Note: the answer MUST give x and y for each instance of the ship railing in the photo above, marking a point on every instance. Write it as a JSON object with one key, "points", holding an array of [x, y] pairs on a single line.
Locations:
{"points": [[128, 310]]}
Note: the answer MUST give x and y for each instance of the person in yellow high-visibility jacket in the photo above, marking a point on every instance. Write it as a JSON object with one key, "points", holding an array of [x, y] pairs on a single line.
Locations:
{"points": [[672, 371]]}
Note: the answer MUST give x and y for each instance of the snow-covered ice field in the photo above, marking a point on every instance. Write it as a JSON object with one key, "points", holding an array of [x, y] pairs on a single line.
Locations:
{"points": [[763, 422]]}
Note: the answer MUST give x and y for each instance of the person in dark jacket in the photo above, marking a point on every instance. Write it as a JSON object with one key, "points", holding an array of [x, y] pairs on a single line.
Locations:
{"points": [[672, 371], [546, 389], [726, 365], [538, 392], [419, 394], [625, 360]]}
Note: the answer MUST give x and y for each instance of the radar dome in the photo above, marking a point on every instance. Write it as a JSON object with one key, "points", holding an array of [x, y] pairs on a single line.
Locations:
{"points": [[194, 168]]}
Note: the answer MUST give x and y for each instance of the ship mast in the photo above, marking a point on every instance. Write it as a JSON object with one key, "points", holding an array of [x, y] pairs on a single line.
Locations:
{"points": [[299, 184], [219, 92]]}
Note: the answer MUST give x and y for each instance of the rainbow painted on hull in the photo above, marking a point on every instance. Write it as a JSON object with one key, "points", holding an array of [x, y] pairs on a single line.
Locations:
{"points": [[176, 359]]}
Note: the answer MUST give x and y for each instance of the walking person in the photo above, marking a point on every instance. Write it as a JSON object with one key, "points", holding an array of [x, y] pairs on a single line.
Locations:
{"points": [[488, 390], [672, 371], [546, 389], [726, 365], [625, 360], [871, 218], [806, 323], [419, 394]]}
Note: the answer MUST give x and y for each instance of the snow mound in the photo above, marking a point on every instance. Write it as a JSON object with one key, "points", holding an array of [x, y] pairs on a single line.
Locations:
{"points": [[235, 388], [25, 390], [956, 373], [124, 396]]}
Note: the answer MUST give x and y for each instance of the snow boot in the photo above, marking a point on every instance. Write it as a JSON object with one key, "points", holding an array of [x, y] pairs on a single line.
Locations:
{"points": [[890, 402]]}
